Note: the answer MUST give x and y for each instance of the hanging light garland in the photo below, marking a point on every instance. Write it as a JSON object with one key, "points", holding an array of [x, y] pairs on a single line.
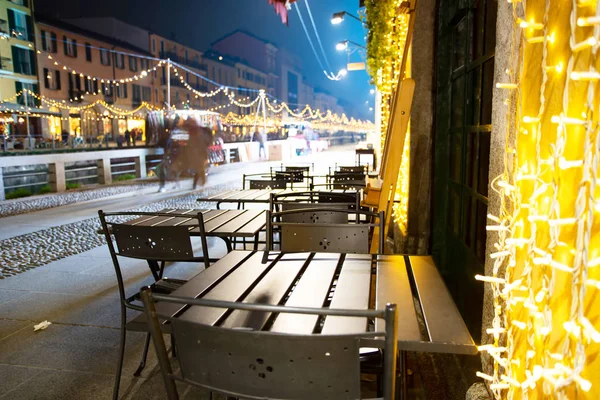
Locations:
{"points": [[545, 333]]}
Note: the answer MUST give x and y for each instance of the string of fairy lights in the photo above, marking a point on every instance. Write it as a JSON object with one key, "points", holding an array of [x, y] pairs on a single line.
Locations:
{"points": [[544, 278], [98, 84]]}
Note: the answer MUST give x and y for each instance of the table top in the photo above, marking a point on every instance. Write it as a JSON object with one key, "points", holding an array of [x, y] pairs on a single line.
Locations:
{"points": [[221, 223], [346, 281], [244, 195]]}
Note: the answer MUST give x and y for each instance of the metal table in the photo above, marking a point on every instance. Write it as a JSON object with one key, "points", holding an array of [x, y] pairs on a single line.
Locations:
{"points": [[243, 196], [342, 281], [225, 224]]}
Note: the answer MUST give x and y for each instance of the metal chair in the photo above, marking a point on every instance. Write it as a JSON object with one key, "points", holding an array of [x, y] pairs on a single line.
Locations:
{"points": [[266, 365], [320, 231], [275, 180], [300, 175], [155, 244], [287, 201]]}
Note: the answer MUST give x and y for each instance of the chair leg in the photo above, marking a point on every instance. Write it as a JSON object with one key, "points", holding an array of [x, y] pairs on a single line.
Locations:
{"points": [[173, 348], [121, 355], [138, 372]]}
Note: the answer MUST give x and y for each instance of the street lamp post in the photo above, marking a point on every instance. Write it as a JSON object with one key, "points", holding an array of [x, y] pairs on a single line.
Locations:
{"points": [[338, 17]]}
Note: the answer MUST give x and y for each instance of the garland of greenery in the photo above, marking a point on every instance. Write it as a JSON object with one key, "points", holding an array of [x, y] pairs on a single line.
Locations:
{"points": [[379, 14]]}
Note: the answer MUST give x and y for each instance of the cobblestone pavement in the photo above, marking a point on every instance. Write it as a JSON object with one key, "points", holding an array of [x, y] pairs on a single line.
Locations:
{"points": [[32, 250], [35, 203]]}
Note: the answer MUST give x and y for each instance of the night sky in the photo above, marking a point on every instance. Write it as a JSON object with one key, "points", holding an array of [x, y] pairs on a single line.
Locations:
{"points": [[197, 23]]}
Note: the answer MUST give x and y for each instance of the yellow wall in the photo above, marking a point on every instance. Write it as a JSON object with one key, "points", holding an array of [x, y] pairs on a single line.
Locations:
{"points": [[548, 315]]}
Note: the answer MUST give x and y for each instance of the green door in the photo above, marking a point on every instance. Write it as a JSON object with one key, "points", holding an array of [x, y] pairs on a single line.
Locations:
{"points": [[465, 72]]}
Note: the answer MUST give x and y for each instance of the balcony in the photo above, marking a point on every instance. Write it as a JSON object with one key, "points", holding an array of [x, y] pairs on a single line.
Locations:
{"points": [[20, 33], [170, 55]]}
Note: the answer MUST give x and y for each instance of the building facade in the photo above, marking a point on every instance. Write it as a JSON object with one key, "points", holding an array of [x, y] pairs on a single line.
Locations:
{"points": [[188, 68], [18, 70], [77, 70]]}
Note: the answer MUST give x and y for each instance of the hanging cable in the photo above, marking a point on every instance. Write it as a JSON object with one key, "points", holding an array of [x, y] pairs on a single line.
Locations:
{"points": [[317, 35], [329, 75]]}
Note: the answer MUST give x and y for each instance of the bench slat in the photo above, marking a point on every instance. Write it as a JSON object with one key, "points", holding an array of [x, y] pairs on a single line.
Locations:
{"points": [[229, 289], [442, 319], [351, 292], [393, 287], [270, 290], [311, 291], [239, 222]]}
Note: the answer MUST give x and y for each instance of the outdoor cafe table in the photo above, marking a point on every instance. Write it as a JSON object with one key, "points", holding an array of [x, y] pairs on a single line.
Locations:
{"points": [[244, 196], [255, 196], [342, 281], [225, 224]]}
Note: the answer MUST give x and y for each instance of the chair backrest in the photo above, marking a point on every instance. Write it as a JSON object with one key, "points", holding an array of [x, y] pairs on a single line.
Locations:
{"points": [[159, 243], [152, 243], [317, 234], [312, 216], [258, 365], [267, 184], [347, 179]]}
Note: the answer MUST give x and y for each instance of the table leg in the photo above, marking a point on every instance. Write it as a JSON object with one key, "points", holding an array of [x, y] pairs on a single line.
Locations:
{"points": [[227, 243], [403, 392], [256, 241]]}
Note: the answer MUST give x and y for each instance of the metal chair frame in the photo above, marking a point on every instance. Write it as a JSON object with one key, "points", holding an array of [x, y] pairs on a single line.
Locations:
{"points": [[275, 220], [153, 260], [220, 340], [273, 180]]}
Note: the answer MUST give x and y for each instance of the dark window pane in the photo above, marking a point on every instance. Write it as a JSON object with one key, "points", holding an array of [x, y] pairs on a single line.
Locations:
{"points": [[455, 156], [457, 101], [454, 210], [490, 26], [478, 30], [467, 219], [473, 96], [486, 92], [458, 50], [484, 163], [471, 162], [480, 233]]}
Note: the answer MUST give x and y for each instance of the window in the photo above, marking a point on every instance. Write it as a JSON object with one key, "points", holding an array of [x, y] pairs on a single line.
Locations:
{"points": [[91, 86], [153, 45], [49, 41], [88, 52], [162, 47], [120, 60], [186, 56], [122, 91], [146, 93], [137, 93], [70, 46], [20, 2], [104, 56], [23, 61], [51, 79], [144, 63], [20, 25], [107, 89], [74, 82], [27, 98], [133, 66]]}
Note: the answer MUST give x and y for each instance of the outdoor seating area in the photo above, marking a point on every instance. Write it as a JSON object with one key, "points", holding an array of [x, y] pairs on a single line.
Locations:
{"points": [[303, 310]]}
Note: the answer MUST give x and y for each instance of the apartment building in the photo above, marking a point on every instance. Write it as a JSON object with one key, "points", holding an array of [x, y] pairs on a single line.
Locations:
{"points": [[18, 68], [189, 66], [77, 68]]}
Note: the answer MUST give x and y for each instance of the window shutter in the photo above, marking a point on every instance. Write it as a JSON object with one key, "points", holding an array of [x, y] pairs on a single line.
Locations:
{"points": [[32, 62], [44, 45], [125, 90], [96, 86], [46, 80], [70, 84], [65, 44], [54, 41], [57, 77], [74, 48], [11, 20], [30, 34]]}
